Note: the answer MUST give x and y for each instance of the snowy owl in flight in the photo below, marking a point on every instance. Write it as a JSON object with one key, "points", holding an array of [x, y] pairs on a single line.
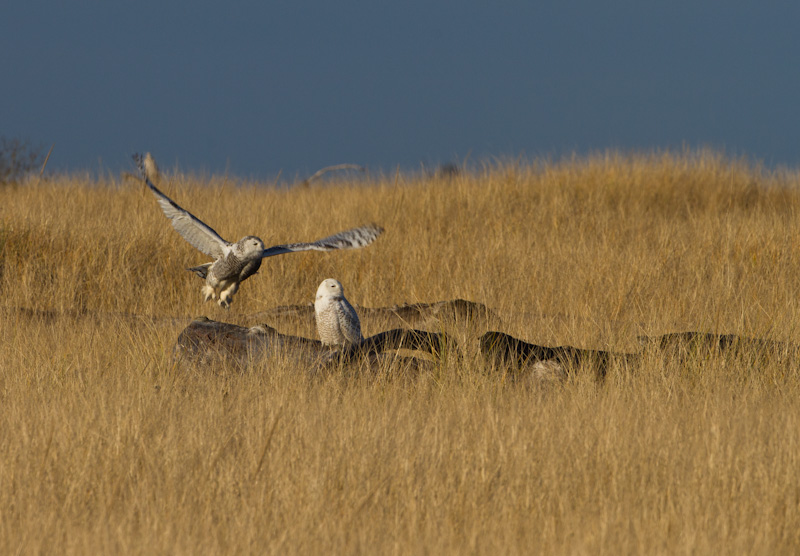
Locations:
{"points": [[235, 262], [337, 321]]}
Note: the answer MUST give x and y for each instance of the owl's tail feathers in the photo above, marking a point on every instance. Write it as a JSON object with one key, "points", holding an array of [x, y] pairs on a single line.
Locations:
{"points": [[202, 270]]}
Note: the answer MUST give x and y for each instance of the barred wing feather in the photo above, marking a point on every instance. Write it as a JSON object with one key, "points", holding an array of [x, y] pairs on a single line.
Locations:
{"points": [[349, 239], [199, 234]]}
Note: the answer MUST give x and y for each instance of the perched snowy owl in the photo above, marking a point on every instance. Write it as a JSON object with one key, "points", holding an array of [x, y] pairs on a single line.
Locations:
{"points": [[235, 262], [337, 321]]}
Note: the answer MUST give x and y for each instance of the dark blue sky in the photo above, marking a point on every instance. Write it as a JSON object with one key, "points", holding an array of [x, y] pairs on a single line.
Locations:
{"points": [[264, 87]]}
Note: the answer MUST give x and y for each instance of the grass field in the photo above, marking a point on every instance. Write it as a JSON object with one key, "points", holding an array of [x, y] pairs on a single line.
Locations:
{"points": [[106, 447]]}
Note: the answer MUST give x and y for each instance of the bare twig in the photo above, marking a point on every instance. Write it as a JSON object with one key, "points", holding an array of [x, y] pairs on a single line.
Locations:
{"points": [[267, 443], [320, 173], [46, 159]]}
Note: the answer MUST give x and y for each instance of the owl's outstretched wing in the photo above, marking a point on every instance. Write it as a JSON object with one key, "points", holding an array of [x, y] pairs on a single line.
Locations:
{"points": [[199, 234], [349, 239]]}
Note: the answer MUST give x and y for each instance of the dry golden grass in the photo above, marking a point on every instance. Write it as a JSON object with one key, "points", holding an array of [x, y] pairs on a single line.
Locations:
{"points": [[106, 448]]}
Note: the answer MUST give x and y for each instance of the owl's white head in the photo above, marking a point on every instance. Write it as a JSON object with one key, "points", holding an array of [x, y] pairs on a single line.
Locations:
{"points": [[249, 247], [330, 289]]}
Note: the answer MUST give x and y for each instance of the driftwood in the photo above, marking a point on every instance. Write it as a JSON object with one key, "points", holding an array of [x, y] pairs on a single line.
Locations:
{"points": [[548, 361], [206, 342], [407, 315], [438, 344], [688, 342], [556, 362], [54, 315]]}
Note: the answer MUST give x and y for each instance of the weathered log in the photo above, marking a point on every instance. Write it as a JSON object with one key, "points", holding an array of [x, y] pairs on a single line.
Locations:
{"points": [[554, 362], [684, 345], [205, 340], [437, 344], [521, 357], [410, 315], [708, 341]]}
